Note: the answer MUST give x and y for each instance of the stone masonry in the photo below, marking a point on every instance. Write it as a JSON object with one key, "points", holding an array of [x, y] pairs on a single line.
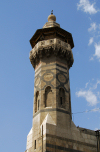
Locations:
{"points": [[53, 129]]}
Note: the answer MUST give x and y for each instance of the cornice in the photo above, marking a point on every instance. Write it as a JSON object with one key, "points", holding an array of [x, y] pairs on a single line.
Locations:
{"points": [[54, 46]]}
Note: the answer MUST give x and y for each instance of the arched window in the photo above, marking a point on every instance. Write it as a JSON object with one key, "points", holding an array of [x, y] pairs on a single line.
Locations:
{"points": [[37, 101], [61, 97], [48, 97]]}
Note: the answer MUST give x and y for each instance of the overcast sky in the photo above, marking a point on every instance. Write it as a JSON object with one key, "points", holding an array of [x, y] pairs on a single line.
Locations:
{"points": [[18, 22]]}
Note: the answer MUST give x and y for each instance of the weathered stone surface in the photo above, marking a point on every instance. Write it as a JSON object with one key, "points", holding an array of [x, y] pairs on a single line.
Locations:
{"points": [[49, 47], [52, 128]]}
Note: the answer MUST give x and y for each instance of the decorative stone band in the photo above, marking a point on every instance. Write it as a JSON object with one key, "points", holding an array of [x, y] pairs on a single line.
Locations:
{"points": [[52, 109], [49, 47], [73, 141], [60, 148]]}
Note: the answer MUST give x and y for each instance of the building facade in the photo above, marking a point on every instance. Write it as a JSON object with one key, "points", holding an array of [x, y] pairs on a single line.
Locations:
{"points": [[53, 129]]}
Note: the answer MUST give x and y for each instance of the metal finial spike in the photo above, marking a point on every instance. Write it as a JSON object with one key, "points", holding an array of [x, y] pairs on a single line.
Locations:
{"points": [[52, 12]]}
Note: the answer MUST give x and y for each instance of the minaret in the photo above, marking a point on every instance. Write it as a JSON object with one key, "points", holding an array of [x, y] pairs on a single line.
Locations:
{"points": [[51, 57]]}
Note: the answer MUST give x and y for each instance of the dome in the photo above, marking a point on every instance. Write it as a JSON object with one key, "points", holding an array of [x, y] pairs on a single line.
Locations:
{"points": [[51, 17], [51, 21]]}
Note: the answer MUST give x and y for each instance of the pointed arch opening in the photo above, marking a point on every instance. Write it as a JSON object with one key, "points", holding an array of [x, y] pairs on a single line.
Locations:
{"points": [[48, 97], [37, 102], [61, 97]]}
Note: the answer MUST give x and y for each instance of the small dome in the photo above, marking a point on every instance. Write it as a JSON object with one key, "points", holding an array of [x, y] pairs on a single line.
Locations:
{"points": [[51, 21], [51, 17]]}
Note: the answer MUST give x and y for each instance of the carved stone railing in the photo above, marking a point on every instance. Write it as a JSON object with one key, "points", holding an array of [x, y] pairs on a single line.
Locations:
{"points": [[51, 46]]}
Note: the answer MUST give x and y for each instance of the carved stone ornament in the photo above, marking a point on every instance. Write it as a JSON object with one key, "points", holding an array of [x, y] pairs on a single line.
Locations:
{"points": [[52, 46], [62, 78], [48, 76]]}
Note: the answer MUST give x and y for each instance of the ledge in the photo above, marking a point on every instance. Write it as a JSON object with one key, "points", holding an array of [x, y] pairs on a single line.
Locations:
{"points": [[49, 47]]}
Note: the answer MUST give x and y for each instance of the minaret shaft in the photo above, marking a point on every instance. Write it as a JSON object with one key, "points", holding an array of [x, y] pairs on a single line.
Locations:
{"points": [[51, 56], [53, 130]]}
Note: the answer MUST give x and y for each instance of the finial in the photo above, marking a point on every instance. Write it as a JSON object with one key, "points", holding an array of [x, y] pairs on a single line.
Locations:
{"points": [[51, 21], [52, 17], [52, 12]]}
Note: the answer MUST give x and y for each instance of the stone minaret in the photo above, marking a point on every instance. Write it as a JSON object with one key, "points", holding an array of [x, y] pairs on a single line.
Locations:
{"points": [[51, 57]]}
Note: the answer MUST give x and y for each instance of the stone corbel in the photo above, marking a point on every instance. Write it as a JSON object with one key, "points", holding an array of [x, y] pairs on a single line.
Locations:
{"points": [[37, 59], [34, 55], [62, 52], [33, 63], [52, 46], [55, 51], [40, 54], [48, 51]]}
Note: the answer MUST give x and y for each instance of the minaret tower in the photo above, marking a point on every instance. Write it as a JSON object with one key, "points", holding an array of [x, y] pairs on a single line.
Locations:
{"points": [[51, 57], [52, 129]]}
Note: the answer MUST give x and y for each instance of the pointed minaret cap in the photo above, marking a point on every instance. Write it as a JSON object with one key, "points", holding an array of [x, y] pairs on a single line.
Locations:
{"points": [[51, 21]]}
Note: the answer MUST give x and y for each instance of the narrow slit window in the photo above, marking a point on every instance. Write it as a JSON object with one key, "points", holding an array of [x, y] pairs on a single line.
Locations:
{"points": [[36, 101], [35, 144], [61, 100], [38, 104]]}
